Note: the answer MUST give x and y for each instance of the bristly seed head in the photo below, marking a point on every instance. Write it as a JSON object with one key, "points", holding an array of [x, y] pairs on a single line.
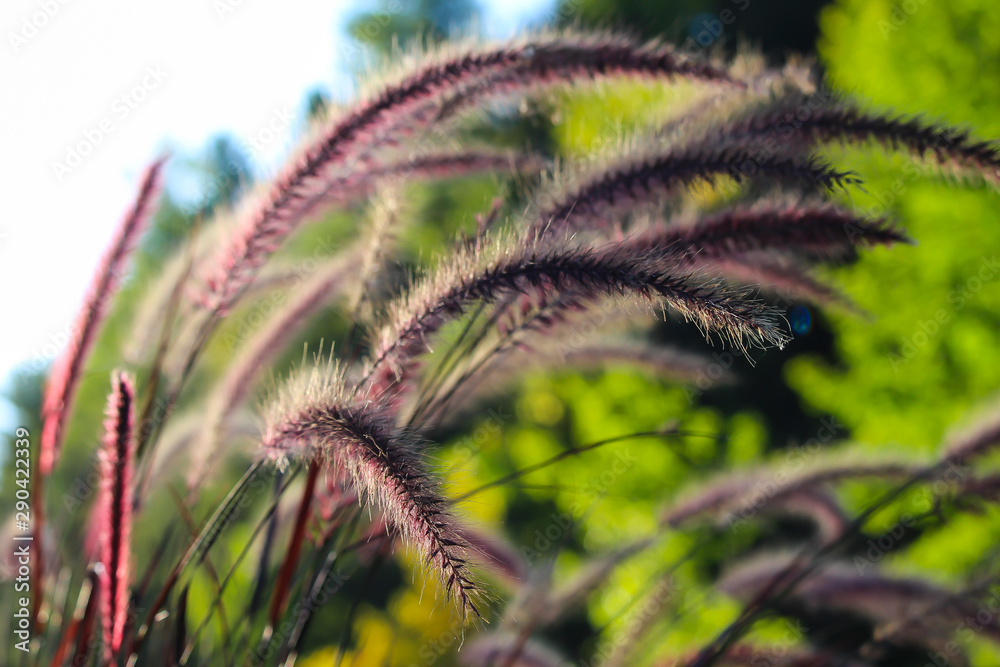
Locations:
{"points": [[314, 418], [115, 507]]}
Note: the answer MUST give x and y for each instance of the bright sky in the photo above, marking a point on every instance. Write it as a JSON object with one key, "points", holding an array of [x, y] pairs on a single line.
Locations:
{"points": [[93, 91]]}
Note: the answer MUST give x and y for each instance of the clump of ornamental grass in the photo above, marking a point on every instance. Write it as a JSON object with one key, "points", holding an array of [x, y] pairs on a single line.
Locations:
{"points": [[571, 273]]}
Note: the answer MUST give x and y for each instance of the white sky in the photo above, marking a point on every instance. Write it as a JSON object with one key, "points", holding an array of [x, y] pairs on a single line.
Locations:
{"points": [[188, 69]]}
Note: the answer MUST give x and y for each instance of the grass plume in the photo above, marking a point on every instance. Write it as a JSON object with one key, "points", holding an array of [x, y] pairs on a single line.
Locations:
{"points": [[115, 506], [61, 387]]}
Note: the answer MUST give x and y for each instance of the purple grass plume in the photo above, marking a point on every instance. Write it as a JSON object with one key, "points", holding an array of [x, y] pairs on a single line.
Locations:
{"points": [[590, 273], [313, 418], [348, 142]]}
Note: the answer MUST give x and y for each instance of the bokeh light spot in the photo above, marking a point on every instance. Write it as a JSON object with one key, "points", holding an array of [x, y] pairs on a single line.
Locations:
{"points": [[800, 318]]}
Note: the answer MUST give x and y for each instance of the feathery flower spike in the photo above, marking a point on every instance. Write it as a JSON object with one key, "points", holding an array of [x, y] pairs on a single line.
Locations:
{"points": [[117, 459], [61, 388]]}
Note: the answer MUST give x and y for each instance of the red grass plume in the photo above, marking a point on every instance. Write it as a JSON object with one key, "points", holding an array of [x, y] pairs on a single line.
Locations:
{"points": [[59, 393], [115, 508], [314, 418]]}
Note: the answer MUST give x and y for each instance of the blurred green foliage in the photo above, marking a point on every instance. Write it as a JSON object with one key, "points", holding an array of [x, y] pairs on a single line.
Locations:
{"points": [[931, 353], [932, 350]]}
